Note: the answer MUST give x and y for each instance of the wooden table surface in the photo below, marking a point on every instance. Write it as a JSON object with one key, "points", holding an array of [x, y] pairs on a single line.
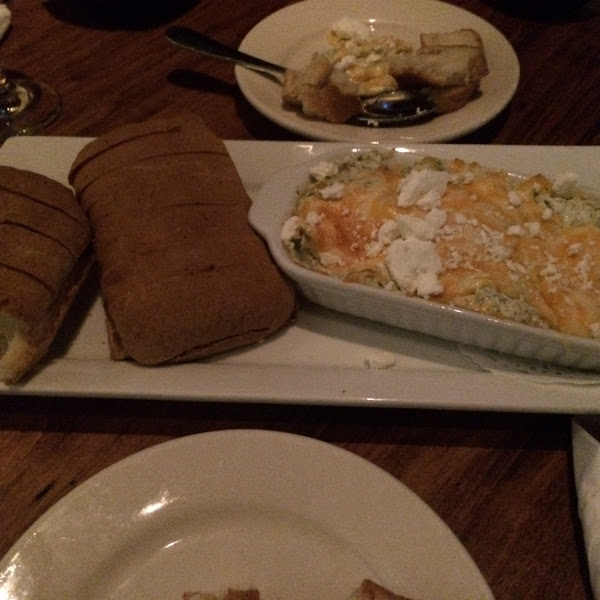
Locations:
{"points": [[503, 482]]}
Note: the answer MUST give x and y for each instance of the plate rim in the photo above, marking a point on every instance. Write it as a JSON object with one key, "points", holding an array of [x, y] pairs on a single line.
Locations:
{"points": [[255, 439], [442, 128]]}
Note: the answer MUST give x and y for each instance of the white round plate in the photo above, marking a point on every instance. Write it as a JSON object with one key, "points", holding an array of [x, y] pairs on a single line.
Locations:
{"points": [[297, 518], [291, 35]]}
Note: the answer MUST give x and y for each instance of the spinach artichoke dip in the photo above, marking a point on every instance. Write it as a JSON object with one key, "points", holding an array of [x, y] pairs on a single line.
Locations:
{"points": [[448, 66], [523, 249]]}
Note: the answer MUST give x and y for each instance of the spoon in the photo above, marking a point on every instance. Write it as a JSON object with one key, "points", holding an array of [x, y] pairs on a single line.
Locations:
{"points": [[387, 109]]}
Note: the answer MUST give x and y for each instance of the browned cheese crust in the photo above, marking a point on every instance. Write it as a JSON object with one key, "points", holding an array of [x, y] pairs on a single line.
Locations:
{"points": [[183, 275]]}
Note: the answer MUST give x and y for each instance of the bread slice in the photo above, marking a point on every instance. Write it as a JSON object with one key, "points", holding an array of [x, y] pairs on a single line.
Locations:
{"points": [[45, 254], [329, 103], [459, 37], [450, 98], [182, 273], [310, 90], [462, 38], [439, 66]]}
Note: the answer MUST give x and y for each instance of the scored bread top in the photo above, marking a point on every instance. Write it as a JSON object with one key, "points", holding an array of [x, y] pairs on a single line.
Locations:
{"points": [[42, 190], [183, 275], [43, 232], [141, 141]]}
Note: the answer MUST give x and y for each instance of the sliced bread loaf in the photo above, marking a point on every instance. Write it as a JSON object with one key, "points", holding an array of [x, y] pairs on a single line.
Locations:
{"points": [[182, 273], [45, 255]]}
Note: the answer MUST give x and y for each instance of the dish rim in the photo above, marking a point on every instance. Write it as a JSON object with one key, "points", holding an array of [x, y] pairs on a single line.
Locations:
{"points": [[268, 215]]}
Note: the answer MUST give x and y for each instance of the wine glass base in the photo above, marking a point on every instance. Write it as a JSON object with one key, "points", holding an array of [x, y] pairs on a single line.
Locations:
{"points": [[33, 105]]}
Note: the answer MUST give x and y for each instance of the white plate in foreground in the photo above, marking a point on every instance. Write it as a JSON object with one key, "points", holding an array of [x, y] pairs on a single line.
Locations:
{"points": [[295, 517], [291, 35], [277, 200]]}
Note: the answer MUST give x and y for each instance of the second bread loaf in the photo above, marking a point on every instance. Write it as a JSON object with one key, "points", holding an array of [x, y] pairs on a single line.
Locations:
{"points": [[183, 275]]}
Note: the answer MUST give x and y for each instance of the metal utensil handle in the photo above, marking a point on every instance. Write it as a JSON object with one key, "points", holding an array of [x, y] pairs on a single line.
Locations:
{"points": [[193, 40]]}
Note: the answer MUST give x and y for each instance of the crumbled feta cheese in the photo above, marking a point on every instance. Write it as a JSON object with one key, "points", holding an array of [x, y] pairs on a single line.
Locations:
{"points": [[335, 190], [516, 267], [410, 226], [388, 232], [414, 266], [455, 259], [323, 170], [329, 259], [464, 177], [414, 227], [313, 218], [493, 243], [423, 188], [516, 230], [533, 227], [565, 185], [574, 249], [461, 219], [436, 217], [373, 249], [380, 360], [547, 214], [347, 28], [583, 268], [514, 199], [291, 228], [550, 272]]}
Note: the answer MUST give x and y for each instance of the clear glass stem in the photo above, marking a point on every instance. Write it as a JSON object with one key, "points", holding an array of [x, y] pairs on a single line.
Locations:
{"points": [[26, 106]]}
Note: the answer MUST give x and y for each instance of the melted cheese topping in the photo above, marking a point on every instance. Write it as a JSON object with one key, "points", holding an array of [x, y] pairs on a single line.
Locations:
{"points": [[361, 59], [521, 249]]}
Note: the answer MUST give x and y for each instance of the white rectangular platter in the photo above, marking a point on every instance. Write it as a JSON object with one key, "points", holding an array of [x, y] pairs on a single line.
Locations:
{"points": [[325, 357]]}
